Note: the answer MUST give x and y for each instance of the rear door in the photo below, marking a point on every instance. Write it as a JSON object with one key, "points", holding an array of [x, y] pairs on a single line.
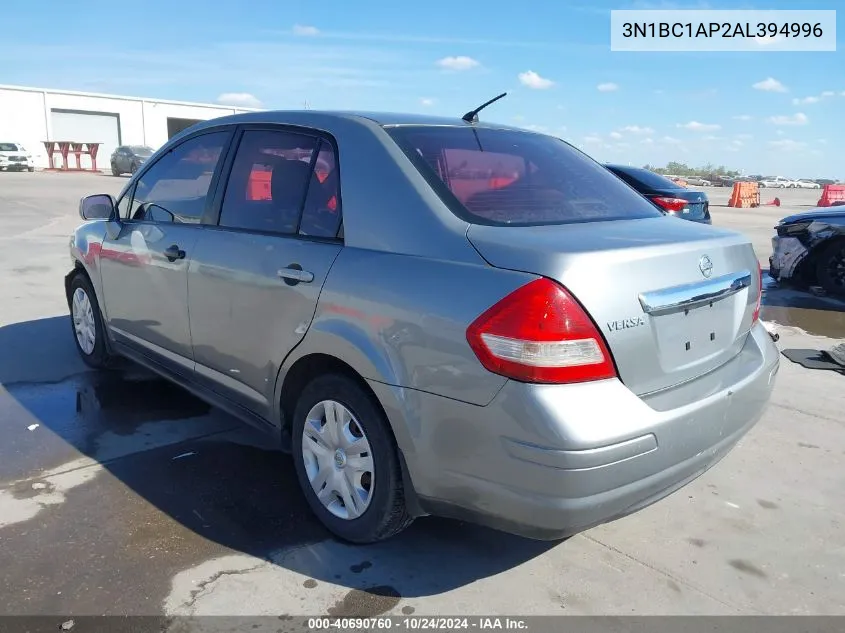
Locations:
{"points": [[256, 277]]}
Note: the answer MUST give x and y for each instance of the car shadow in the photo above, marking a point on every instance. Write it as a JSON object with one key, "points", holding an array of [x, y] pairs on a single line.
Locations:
{"points": [[212, 475]]}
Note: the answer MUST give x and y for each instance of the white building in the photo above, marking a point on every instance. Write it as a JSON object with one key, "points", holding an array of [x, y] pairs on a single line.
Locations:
{"points": [[30, 116]]}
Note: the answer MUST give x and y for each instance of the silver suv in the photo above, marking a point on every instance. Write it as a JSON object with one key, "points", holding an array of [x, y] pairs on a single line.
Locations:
{"points": [[434, 316]]}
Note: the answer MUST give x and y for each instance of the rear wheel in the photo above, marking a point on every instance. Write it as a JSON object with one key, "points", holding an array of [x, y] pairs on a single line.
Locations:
{"points": [[134, 168], [346, 461], [87, 324], [114, 170], [830, 268]]}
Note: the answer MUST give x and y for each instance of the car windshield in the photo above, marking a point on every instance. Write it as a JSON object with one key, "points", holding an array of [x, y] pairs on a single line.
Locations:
{"points": [[141, 150], [8, 147], [512, 178], [643, 177]]}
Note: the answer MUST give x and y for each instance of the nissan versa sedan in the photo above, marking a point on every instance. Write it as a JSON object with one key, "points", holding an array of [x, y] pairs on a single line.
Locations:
{"points": [[434, 316]]}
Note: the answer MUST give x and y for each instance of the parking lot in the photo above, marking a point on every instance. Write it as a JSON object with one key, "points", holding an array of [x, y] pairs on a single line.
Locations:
{"points": [[120, 494]]}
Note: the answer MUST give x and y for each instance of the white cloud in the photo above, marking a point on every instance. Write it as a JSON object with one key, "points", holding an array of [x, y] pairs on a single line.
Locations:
{"points": [[780, 132], [615, 135], [806, 100], [770, 85], [745, 137], [799, 118], [787, 144], [695, 126], [822, 141], [460, 62], [737, 143], [537, 128], [842, 93], [828, 93], [607, 87], [636, 129], [239, 99], [767, 40], [592, 140], [710, 137], [518, 117], [647, 141], [670, 140], [535, 81], [743, 117], [427, 102], [301, 29], [562, 128]]}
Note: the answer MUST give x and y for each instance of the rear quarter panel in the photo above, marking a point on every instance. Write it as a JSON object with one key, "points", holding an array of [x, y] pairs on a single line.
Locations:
{"points": [[401, 320]]}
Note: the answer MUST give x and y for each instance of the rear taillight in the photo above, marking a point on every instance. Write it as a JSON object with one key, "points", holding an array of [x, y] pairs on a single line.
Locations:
{"points": [[539, 333], [670, 204], [755, 317]]}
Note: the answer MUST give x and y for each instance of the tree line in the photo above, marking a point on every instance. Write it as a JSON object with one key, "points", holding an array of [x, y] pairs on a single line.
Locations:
{"points": [[682, 169]]}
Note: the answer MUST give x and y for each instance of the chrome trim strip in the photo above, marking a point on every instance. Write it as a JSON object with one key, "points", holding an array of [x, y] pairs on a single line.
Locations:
{"points": [[692, 295]]}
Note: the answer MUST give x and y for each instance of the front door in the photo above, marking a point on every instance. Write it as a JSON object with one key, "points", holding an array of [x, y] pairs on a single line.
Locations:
{"points": [[144, 267], [255, 279]]}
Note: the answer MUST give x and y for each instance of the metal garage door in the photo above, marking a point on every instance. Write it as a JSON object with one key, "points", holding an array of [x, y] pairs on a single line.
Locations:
{"points": [[87, 127]]}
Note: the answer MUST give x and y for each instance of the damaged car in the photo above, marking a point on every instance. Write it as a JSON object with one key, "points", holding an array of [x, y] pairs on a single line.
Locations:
{"points": [[809, 249]]}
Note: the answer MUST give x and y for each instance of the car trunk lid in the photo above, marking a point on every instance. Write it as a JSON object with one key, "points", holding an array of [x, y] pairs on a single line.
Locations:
{"points": [[674, 300]]}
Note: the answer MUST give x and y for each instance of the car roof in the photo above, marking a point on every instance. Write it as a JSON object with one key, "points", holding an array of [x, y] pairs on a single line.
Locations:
{"points": [[625, 167], [380, 118]]}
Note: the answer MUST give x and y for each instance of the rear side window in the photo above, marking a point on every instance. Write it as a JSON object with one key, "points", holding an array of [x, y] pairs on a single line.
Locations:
{"points": [[508, 177], [283, 182]]}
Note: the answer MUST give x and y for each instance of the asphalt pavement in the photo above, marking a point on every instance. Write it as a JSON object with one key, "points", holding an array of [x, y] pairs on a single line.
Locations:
{"points": [[122, 494]]}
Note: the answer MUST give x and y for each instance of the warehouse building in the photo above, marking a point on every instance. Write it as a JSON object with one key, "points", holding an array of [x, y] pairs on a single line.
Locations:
{"points": [[30, 116]]}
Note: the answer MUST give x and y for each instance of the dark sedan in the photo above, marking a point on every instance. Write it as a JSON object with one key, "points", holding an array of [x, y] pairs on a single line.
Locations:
{"points": [[126, 159], [668, 196], [809, 248]]}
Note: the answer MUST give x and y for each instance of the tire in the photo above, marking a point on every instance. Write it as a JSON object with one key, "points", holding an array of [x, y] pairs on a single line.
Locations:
{"points": [[383, 514], [830, 268], [114, 170], [31, 169], [97, 355], [133, 168]]}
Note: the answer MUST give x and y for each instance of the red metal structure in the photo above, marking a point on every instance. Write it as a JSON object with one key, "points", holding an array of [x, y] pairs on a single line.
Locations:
{"points": [[63, 148]]}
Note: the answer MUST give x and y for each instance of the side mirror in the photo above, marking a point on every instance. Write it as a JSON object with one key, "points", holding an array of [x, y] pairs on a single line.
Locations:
{"points": [[97, 207]]}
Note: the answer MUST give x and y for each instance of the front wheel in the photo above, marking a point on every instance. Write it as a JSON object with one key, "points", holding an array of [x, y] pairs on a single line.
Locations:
{"points": [[830, 268], [87, 323], [346, 461]]}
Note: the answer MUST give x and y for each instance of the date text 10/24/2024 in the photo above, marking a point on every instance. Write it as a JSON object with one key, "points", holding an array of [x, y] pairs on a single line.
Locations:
{"points": [[418, 623]]}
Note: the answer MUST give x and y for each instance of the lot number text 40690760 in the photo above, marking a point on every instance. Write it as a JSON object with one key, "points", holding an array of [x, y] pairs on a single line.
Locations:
{"points": [[417, 623]]}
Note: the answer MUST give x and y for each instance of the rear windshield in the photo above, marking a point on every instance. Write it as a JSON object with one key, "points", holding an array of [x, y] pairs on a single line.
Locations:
{"points": [[508, 177], [644, 177], [8, 147]]}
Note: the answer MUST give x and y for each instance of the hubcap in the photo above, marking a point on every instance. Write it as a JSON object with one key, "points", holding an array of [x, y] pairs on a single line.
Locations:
{"points": [[338, 460], [83, 321]]}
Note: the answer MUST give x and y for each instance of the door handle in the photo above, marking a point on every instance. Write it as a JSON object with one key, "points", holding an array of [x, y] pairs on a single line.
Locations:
{"points": [[172, 253], [294, 274]]}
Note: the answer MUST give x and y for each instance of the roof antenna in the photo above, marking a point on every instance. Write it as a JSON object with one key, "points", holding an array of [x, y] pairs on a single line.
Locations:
{"points": [[472, 115]]}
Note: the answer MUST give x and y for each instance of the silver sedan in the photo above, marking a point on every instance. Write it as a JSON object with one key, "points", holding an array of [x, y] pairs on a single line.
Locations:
{"points": [[434, 316]]}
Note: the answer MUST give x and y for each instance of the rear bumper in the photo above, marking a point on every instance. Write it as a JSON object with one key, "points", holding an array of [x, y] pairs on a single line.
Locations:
{"points": [[549, 461]]}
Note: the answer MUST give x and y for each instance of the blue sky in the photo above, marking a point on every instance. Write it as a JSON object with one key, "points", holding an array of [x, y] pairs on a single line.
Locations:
{"points": [[777, 113]]}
